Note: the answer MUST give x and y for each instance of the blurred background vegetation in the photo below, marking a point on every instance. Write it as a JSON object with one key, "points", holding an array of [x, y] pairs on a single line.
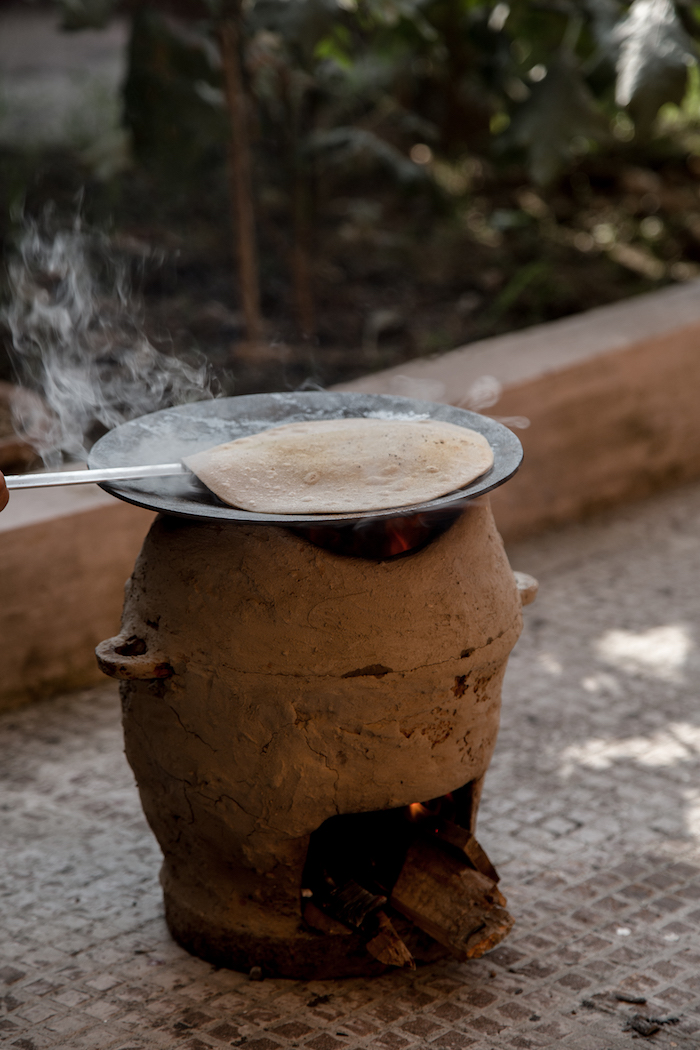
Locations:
{"points": [[307, 190]]}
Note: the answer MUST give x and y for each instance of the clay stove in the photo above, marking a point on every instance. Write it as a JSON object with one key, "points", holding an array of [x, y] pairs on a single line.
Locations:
{"points": [[310, 705]]}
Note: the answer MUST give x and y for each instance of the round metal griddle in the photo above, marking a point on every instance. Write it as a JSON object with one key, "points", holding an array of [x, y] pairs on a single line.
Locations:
{"points": [[173, 433]]}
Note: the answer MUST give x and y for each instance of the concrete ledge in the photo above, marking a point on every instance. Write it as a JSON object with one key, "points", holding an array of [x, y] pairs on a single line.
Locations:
{"points": [[612, 396], [64, 558]]}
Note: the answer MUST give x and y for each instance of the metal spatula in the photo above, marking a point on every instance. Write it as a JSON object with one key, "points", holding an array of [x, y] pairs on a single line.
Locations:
{"points": [[86, 477]]}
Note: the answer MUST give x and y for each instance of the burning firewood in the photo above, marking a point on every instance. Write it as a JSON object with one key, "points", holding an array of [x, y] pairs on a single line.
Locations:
{"points": [[456, 905], [350, 905], [388, 947]]}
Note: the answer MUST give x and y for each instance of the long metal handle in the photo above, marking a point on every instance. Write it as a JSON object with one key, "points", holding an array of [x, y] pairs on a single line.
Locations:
{"points": [[87, 477]]}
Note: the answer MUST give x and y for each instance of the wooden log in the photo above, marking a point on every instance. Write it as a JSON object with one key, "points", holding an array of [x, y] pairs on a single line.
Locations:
{"points": [[465, 844], [387, 946], [322, 923], [351, 903], [456, 905]]}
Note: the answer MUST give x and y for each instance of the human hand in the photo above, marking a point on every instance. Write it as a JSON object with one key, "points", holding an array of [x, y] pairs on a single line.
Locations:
{"points": [[4, 494]]}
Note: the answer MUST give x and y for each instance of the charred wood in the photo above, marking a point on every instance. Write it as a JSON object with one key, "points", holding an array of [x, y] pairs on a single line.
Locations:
{"points": [[351, 903], [321, 922]]}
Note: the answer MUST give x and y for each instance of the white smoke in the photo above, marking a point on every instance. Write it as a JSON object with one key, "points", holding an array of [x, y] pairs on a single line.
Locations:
{"points": [[79, 351]]}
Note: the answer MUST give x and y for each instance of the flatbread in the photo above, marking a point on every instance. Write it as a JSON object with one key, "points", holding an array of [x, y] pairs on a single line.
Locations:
{"points": [[332, 466]]}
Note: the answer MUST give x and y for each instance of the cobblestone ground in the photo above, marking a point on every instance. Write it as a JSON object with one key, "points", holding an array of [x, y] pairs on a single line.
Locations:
{"points": [[591, 811]]}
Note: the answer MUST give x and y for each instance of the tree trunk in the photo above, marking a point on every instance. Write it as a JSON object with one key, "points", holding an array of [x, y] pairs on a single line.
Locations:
{"points": [[240, 171], [295, 103], [301, 269]]}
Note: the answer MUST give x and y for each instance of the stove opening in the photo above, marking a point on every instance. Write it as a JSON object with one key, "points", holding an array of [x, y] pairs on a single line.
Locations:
{"points": [[380, 539], [394, 876]]}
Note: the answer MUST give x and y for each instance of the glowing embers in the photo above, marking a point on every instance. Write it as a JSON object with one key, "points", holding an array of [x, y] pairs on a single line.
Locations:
{"points": [[396, 875], [381, 538]]}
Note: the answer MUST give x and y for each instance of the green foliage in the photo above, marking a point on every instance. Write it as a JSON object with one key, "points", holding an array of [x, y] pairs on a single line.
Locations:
{"points": [[559, 119], [348, 145], [551, 76], [655, 54], [351, 83], [173, 103], [608, 57]]}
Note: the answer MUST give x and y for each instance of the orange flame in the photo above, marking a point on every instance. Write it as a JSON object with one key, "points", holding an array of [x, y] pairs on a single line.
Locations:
{"points": [[417, 811], [437, 807], [399, 539]]}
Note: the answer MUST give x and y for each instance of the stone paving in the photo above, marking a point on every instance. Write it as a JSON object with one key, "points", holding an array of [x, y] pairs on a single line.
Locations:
{"points": [[591, 811]]}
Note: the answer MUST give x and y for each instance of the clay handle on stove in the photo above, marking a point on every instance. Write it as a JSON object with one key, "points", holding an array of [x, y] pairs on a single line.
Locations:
{"points": [[129, 659], [527, 587]]}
